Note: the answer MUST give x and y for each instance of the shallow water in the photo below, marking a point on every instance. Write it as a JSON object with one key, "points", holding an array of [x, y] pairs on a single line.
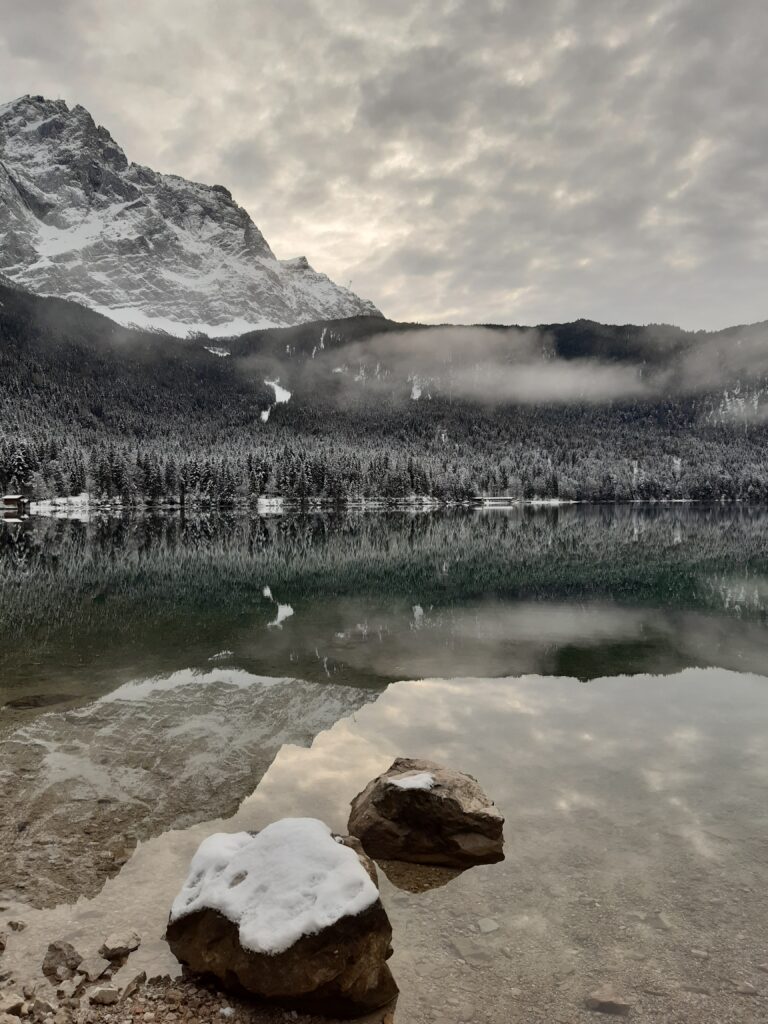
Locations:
{"points": [[631, 768]]}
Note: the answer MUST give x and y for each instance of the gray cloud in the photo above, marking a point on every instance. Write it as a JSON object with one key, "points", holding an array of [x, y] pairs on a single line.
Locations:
{"points": [[457, 160]]}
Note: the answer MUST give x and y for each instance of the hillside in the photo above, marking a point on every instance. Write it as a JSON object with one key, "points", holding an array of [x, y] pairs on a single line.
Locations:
{"points": [[377, 409]]}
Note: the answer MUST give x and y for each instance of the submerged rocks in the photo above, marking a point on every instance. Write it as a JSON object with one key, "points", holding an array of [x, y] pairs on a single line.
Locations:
{"points": [[291, 914], [422, 813], [61, 961], [93, 968], [11, 1002], [605, 1000]]}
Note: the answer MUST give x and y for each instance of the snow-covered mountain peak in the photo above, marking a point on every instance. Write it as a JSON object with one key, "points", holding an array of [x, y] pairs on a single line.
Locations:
{"points": [[79, 221]]}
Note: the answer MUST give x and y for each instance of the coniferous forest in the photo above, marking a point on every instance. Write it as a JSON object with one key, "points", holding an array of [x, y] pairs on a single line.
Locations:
{"points": [[143, 419]]}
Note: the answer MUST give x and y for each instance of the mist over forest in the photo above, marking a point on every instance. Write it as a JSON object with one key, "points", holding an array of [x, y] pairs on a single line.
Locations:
{"points": [[378, 410]]}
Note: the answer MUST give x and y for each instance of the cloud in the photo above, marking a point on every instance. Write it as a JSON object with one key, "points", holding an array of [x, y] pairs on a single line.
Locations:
{"points": [[458, 160]]}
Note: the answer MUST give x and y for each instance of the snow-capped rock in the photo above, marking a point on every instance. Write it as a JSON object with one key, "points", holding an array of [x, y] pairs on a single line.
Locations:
{"points": [[78, 221]]}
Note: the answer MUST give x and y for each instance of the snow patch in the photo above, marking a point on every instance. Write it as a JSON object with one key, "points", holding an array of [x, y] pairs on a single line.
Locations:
{"points": [[281, 394], [423, 780], [216, 351], [291, 879]]}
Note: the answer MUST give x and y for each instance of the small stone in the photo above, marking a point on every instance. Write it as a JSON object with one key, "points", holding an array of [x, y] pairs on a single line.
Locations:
{"points": [[17, 926], [28, 990], [11, 1002], [93, 967], [699, 990], [3, 941], [744, 988], [149, 1016], [605, 1000], [134, 985], [487, 925], [68, 988], [104, 995], [61, 960], [659, 920], [120, 944], [700, 954], [41, 1007]]}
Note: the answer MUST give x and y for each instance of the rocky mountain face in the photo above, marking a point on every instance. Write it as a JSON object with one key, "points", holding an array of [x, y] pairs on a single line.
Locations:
{"points": [[78, 221]]}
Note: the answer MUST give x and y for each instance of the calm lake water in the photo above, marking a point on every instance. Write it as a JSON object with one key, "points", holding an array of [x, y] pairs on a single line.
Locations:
{"points": [[602, 672]]}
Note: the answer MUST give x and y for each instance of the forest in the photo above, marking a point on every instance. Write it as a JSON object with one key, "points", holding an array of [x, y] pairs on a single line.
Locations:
{"points": [[142, 419]]}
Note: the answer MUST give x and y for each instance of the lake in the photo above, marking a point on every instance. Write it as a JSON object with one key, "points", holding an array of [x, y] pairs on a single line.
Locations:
{"points": [[601, 671]]}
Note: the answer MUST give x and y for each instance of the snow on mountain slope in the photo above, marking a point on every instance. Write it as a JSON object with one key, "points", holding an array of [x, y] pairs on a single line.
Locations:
{"points": [[78, 221]]}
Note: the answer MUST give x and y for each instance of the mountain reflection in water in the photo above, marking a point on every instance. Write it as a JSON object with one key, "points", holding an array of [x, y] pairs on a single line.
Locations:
{"points": [[635, 831]]}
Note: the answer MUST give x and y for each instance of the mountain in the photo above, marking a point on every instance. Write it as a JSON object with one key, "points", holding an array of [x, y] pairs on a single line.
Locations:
{"points": [[80, 222]]}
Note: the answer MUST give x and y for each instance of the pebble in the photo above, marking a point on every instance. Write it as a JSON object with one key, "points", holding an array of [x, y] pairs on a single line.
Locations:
{"points": [[744, 988], [104, 995], [120, 944], [11, 1002], [700, 954], [93, 967], [487, 925], [605, 1000]]}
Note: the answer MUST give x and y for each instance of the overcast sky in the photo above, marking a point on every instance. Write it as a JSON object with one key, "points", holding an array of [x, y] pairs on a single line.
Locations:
{"points": [[518, 161]]}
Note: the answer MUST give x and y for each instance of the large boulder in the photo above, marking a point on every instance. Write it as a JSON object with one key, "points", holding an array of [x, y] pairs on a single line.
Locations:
{"points": [[291, 914], [424, 814]]}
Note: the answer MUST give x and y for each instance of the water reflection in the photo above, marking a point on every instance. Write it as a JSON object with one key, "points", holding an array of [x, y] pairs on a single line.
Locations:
{"points": [[635, 831], [366, 600]]}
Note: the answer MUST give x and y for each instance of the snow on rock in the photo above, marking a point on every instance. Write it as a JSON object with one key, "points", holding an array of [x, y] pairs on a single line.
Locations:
{"points": [[422, 813], [420, 780], [290, 880], [79, 221]]}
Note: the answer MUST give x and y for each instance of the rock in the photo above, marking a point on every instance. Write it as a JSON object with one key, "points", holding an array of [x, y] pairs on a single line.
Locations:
{"points": [[744, 988], [486, 925], [3, 941], [17, 926], [419, 812], [8, 1018], [61, 960], [11, 1002], [41, 1007], [133, 986], [104, 995], [93, 967], [605, 1000], [324, 949], [700, 954], [471, 951], [658, 920], [67, 989], [119, 944]]}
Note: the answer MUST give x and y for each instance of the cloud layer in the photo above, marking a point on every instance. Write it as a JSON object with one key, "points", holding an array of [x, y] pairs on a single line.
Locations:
{"points": [[457, 160]]}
